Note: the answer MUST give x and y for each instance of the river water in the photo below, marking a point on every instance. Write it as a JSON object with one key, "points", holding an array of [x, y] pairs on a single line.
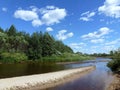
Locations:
{"points": [[98, 79]]}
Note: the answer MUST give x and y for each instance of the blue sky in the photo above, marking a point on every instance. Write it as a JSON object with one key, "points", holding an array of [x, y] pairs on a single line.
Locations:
{"points": [[86, 26]]}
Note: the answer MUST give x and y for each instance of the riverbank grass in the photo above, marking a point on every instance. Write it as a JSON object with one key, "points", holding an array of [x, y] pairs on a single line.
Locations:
{"points": [[67, 57]]}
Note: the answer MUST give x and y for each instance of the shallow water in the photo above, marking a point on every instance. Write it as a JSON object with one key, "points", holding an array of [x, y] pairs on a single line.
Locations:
{"points": [[98, 79]]}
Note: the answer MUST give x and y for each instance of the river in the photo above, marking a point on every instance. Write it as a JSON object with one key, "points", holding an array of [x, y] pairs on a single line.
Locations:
{"points": [[98, 79]]}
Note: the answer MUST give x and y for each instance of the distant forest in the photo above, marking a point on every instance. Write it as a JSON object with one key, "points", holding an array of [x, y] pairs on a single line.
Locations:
{"points": [[14, 43]]}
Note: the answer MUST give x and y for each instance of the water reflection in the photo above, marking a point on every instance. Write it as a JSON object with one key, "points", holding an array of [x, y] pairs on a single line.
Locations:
{"points": [[12, 70], [96, 80]]}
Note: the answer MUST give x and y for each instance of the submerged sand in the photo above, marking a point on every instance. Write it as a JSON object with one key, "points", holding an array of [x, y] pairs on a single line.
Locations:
{"points": [[42, 81]]}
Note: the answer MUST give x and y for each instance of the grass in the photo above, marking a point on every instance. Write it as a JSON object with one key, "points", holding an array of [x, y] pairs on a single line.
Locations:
{"points": [[67, 57]]}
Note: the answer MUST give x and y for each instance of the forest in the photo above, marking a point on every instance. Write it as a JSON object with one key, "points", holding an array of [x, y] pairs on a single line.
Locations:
{"points": [[17, 46]]}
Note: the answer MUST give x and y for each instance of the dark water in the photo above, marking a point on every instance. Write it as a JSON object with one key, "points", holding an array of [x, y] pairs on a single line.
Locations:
{"points": [[98, 79], [12, 70]]}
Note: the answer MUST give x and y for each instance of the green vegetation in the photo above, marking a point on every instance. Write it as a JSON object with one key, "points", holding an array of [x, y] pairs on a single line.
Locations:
{"points": [[13, 57], [67, 57], [16, 46], [100, 55], [114, 64]]}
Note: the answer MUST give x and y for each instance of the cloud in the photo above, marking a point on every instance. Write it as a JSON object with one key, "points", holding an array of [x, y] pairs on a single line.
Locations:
{"points": [[62, 36], [102, 48], [52, 15], [49, 15], [77, 45], [36, 23], [26, 15], [97, 41], [113, 42], [108, 48], [4, 9], [97, 34], [110, 8], [111, 45], [87, 16], [49, 29]]}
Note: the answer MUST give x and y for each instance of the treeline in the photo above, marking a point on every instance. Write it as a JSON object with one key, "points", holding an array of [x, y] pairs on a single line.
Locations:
{"points": [[105, 55], [114, 64], [16, 45]]}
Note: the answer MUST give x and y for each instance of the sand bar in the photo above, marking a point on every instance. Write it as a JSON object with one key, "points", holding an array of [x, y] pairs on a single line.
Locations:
{"points": [[40, 81]]}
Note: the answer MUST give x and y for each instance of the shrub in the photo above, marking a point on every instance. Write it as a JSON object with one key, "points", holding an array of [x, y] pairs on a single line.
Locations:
{"points": [[114, 64], [12, 57]]}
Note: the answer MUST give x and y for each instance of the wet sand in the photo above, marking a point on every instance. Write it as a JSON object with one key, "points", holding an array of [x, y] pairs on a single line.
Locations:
{"points": [[43, 81], [115, 85]]}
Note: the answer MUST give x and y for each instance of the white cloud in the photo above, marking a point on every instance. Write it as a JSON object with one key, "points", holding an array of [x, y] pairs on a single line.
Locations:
{"points": [[111, 8], [94, 47], [77, 45], [117, 41], [62, 36], [36, 23], [26, 15], [87, 16], [97, 41], [97, 34], [111, 45], [108, 48], [52, 15], [49, 15], [4, 9], [50, 7], [34, 9], [49, 29]]}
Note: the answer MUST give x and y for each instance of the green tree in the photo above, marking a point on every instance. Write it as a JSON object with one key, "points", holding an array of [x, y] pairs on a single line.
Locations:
{"points": [[48, 45], [114, 64], [12, 31], [60, 47], [35, 48], [3, 40], [1, 30]]}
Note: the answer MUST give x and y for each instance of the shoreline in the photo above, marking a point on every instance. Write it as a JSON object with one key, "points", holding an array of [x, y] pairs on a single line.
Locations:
{"points": [[43, 81], [115, 85]]}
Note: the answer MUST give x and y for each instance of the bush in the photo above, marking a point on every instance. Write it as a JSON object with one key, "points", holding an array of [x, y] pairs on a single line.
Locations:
{"points": [[12, 57], [114, 64]]}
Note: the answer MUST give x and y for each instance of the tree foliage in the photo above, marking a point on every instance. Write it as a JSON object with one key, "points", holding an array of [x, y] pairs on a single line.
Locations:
{"points": [[114, 64], [34, 46]]}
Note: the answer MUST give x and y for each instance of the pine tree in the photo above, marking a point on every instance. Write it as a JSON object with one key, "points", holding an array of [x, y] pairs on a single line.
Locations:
{"points": [[48, 45]]}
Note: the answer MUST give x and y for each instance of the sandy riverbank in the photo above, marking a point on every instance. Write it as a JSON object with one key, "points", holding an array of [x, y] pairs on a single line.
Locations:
{"points": [[42, 81], [115, 85]]}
